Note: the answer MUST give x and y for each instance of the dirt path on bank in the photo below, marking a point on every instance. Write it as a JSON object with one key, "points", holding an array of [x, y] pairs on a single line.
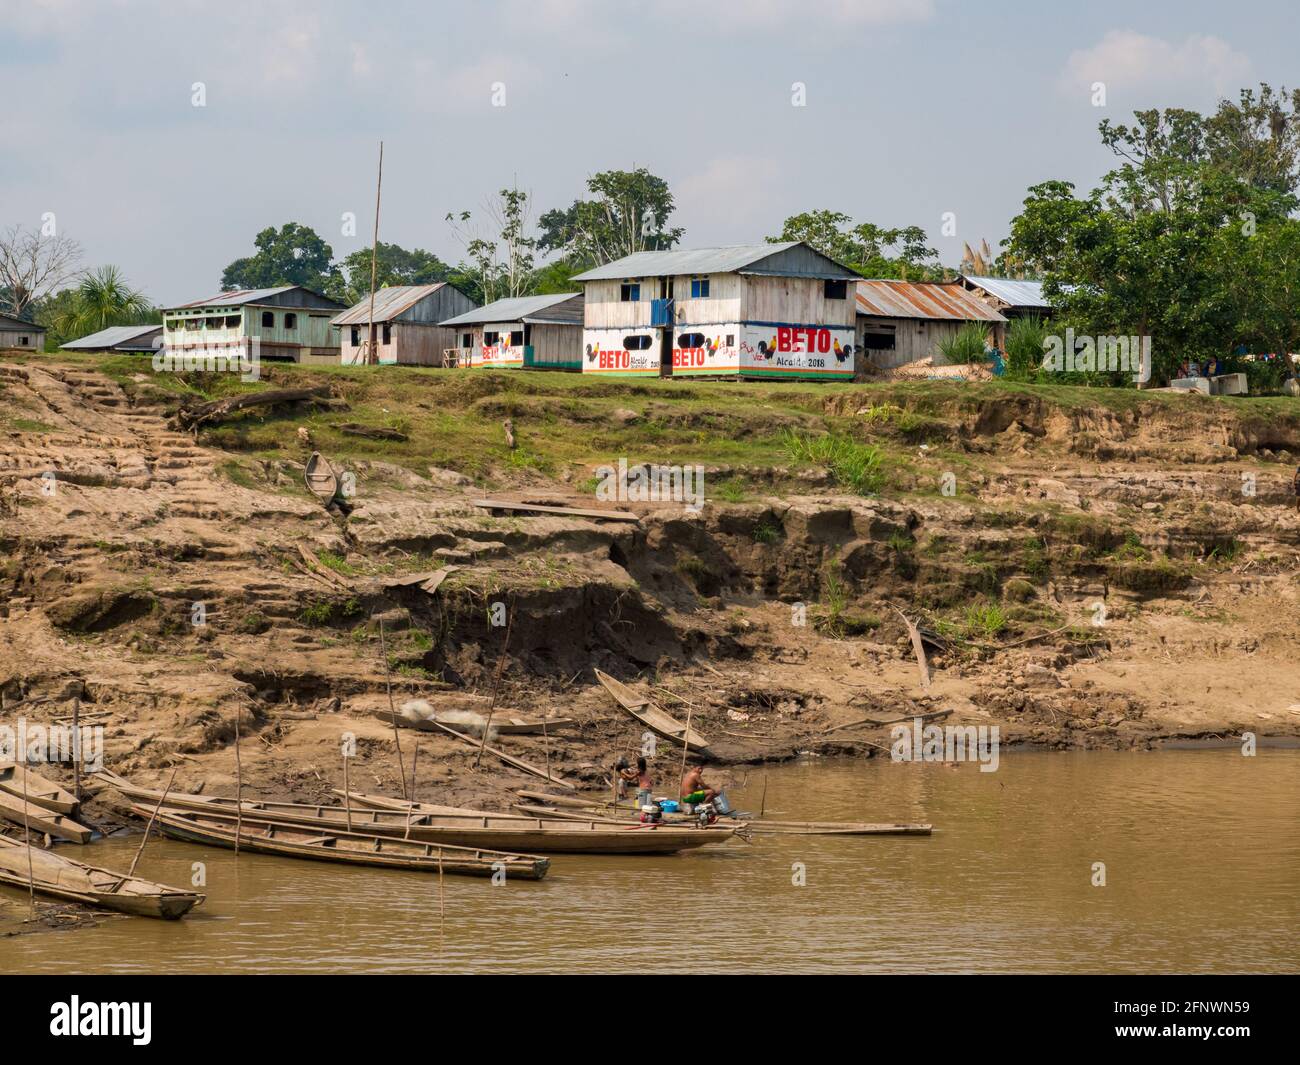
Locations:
{"points": [[770, 619]]}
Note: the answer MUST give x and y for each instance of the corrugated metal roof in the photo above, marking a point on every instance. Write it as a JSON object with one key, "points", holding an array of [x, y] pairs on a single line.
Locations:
{"points": [[114, 336], [923, 299], [1011, 292], [9, 318], [389, 303], [725, 260], [516, 309], [237, 296]]}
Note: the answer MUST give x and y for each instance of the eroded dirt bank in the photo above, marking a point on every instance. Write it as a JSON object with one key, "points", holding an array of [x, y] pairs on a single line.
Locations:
{"points": [[1098, 577]]}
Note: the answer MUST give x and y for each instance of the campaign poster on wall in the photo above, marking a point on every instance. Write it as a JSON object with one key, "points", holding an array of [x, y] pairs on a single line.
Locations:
{"points": [[797, 351], [621, 351]]}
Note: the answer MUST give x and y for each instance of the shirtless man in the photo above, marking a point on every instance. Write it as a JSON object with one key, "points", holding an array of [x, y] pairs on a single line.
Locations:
{"points": [[694, 789]]}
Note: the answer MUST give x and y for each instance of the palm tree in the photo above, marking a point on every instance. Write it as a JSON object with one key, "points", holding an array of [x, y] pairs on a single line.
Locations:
{"points": [[104, 298]]}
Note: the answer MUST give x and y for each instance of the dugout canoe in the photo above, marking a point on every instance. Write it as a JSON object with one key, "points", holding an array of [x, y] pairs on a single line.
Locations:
{"points": [[321, 479], [41, 820], [590, 835], [651, 716], [62, 878], [14, 778], [757, 826], [264, 835]]}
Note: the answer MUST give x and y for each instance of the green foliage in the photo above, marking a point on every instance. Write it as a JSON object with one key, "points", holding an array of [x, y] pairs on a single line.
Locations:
{"points": [[967, 345], [854, 465], [870, 249], [1025, 337], [103, 298], [766, 533], [394, 265], [294, 254], [628, 212], [984, 620]]}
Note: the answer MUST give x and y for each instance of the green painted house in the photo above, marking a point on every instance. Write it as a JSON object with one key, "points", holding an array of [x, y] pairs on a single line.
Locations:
{"points": [[290, 322]]}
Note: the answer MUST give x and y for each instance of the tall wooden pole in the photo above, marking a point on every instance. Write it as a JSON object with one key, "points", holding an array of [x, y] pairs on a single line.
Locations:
{"points": [[76, 749], [372, 355], [21, 764], [239, 787], [686, 747], [410, 803], [392, 710], [152, 817], [347, 791], [496, 687]]}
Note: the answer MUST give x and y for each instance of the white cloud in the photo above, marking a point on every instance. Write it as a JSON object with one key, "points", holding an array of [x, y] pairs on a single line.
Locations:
{"points": [[1126, 60]]}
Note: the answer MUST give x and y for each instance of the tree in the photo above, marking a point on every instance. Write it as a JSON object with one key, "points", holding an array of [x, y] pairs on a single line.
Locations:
{"points": [[501, 263], [628, 213], [870, 249], [292, 255], [104, 298], [32, 265], [395, 266]]}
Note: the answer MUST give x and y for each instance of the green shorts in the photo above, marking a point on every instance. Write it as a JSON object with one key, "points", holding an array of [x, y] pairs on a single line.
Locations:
{"points": [[694, 797]]}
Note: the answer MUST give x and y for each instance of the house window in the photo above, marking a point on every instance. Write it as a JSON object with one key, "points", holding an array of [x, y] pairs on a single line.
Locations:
{"points": [[878, 340], [731, 340], [213, 323], [490, 338], [637, 342], [836, 290], [233, 321], [268, 319], [388, 332], [467, 340], [691, 340], [629, 292], [291, 321], [356, 336], [191, 324], [24, 341], [517, 338], [699, 291]]}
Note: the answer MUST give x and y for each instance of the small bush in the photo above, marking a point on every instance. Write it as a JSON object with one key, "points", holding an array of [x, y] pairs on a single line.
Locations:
{"points": [[969, 344], [854, 465]]}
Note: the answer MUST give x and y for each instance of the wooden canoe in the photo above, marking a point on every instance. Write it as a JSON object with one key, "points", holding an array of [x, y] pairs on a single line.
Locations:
{"points": [[505, 726], [321, 479], [41, 820], [267, 835], [757, 826], [644, 710], [42, 792], [585, 836], [62, 878]]}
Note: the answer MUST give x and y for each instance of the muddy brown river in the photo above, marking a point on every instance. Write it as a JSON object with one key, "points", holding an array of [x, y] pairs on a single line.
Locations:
{"points": [[1202, 869]]}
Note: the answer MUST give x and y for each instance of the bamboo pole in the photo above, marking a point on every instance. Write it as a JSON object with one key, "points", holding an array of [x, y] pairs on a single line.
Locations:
{"points": [[347, 791], [546, 746], [372, 356], [239, 787], [392, 710], [158, 806], [76, 749], [496, 687], [762, 807], [27, 838], [410, 804], [442, 906], [686, 747]]}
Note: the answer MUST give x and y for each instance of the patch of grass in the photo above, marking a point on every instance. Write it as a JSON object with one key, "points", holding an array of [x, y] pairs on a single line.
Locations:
{"points": [[337, 563], [321, 612], [967, 345], [766, 533], [854, 465], [901, 541], [234, 472], [984, 620], [731, 490]]}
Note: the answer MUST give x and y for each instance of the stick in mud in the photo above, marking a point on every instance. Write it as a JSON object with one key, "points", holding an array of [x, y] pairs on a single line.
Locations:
{"points": [[686, 746], [239, 787], [388, 683], [161, 799], [347, 791], [496, 687], [27, 829], [410, 803], [76, 749]]}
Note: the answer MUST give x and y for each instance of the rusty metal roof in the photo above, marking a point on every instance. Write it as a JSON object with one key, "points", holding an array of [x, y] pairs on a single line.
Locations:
{"points": [[923, 299], [389, 303]]}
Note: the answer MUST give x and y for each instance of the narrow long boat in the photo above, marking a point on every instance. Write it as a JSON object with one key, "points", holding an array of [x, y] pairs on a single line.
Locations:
{"points": [[651, 716], [591, 835], [373, 816], [62, 878], [41, 820], [321, 479], [757, 826], [14, 778], [264, 835], [505, 726]]}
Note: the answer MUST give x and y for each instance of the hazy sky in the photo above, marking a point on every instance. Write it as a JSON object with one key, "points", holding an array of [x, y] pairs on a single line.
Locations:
{"points": [[913, 108]]}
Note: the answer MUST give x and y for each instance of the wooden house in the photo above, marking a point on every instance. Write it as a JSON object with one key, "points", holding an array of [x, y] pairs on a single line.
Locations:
{"points": [[755, 310], [1010, 297], [524, 332], [290, 322], [904, 321], [129, 339], [21, 334], [409, 327]]}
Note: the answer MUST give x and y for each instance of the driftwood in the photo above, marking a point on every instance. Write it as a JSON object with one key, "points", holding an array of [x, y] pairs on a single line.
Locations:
{"points": [[921, 662], [192, 417], [933, 715], [372, 432]]}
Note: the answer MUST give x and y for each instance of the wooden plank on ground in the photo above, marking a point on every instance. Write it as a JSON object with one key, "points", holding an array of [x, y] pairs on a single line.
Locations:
{"points": [[570, 512]]}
